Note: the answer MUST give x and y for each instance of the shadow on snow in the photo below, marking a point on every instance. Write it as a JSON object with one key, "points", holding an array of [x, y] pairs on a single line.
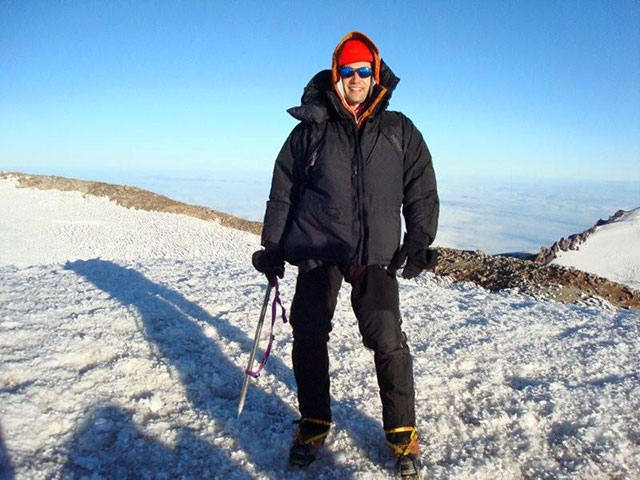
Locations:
{"points": [[109, 445], [6, 469], [212, 383]]}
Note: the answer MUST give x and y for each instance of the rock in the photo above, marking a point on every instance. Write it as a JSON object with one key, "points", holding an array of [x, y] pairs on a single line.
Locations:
{"points": [[533, 277], [573, 242]]}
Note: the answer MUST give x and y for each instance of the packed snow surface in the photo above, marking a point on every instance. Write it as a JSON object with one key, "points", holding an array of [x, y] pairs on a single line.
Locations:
{"points": [[612, 251], [124, 335]]}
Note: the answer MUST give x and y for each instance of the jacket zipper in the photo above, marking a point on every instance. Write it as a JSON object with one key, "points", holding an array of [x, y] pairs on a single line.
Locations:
{"points": [[359, 194], [307, 172]]}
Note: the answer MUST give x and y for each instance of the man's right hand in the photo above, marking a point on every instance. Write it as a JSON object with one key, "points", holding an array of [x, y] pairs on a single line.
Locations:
{"points": [[269, 261]]}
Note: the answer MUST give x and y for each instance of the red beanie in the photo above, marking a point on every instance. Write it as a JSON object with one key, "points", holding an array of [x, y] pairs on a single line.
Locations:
{"points": [[354, 51]]}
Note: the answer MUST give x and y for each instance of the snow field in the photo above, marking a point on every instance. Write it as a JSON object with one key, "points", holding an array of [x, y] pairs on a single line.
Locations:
{"points": [[48, 226], [127, 363], [612, 251]]}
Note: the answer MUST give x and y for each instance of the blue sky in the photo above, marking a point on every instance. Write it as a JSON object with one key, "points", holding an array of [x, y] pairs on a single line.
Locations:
{"points": [[522, 89]]}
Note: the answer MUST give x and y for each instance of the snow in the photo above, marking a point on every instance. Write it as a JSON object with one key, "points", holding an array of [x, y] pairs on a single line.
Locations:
{"points": [[124, 334], [612, 251]]}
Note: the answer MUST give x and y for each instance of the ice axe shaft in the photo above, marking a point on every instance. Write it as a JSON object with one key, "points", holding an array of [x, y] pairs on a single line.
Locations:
{"points": [[254, 349]]}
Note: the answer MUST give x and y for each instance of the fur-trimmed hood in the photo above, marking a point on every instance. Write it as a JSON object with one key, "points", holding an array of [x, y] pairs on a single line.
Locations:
{"points": [[321, 99]]}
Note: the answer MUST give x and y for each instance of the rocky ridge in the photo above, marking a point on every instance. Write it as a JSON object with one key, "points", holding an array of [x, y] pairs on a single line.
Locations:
{"points": [[488, 271], [572, 242], [554, 282]]}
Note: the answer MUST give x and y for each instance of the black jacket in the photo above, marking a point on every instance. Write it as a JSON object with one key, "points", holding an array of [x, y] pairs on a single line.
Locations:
{"points": [[339, 184]]}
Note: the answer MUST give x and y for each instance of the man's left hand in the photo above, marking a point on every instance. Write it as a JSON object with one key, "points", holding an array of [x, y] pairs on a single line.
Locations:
{"points": [[424, 260], [416, 261]]}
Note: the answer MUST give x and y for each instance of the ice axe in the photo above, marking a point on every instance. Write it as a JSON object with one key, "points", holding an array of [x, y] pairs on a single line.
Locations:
{"points": [[273, 282]]}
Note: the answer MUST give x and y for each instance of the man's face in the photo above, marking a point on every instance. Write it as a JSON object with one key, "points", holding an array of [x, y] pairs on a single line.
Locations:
{"points": [[356, 89]]}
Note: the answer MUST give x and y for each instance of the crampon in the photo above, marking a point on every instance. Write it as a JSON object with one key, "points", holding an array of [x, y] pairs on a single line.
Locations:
{"points": [[309, 438], [403, 443]]}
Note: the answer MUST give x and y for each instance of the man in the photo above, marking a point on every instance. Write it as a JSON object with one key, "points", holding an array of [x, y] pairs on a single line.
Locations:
{"points": [[339, 184]]}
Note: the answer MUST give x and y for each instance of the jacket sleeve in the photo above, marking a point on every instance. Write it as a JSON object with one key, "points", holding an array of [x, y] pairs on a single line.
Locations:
{"points": [[420, 206], [282, 194]]}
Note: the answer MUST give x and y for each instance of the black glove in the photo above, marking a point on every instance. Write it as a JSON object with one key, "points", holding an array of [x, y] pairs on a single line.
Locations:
{"points": [[424, 260], [269, 261], [417, 256]]}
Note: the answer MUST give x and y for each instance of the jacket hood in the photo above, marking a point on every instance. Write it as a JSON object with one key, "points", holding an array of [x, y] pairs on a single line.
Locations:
{"points": [[321, 96], [335, 76]]}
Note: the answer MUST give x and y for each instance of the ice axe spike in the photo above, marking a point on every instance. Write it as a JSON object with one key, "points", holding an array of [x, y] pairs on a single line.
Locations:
{"points": [[254, 349]]}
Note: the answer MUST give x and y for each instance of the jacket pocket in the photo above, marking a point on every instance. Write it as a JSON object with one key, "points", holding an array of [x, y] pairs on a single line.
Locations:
{"points": [[319, 230], [384, 227]]}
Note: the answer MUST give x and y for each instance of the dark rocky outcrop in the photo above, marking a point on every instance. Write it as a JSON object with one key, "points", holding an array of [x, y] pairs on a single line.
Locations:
{"points": [[554, 282], [572, 242]]}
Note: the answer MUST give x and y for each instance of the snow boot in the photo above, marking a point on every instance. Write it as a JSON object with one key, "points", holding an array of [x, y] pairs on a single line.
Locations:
{"points": [[403, 443], [309, 438]]}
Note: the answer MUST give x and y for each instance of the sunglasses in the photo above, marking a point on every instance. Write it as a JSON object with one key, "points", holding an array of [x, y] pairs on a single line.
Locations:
{"points": [[363, 72]]}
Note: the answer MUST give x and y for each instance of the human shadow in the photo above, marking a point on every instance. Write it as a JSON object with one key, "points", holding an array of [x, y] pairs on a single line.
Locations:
{"points": [[212, 382], [109, 445], [6, 469]]}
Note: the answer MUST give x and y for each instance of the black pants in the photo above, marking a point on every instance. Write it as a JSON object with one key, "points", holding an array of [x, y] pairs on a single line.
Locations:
{"points": [[375, 302]]}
